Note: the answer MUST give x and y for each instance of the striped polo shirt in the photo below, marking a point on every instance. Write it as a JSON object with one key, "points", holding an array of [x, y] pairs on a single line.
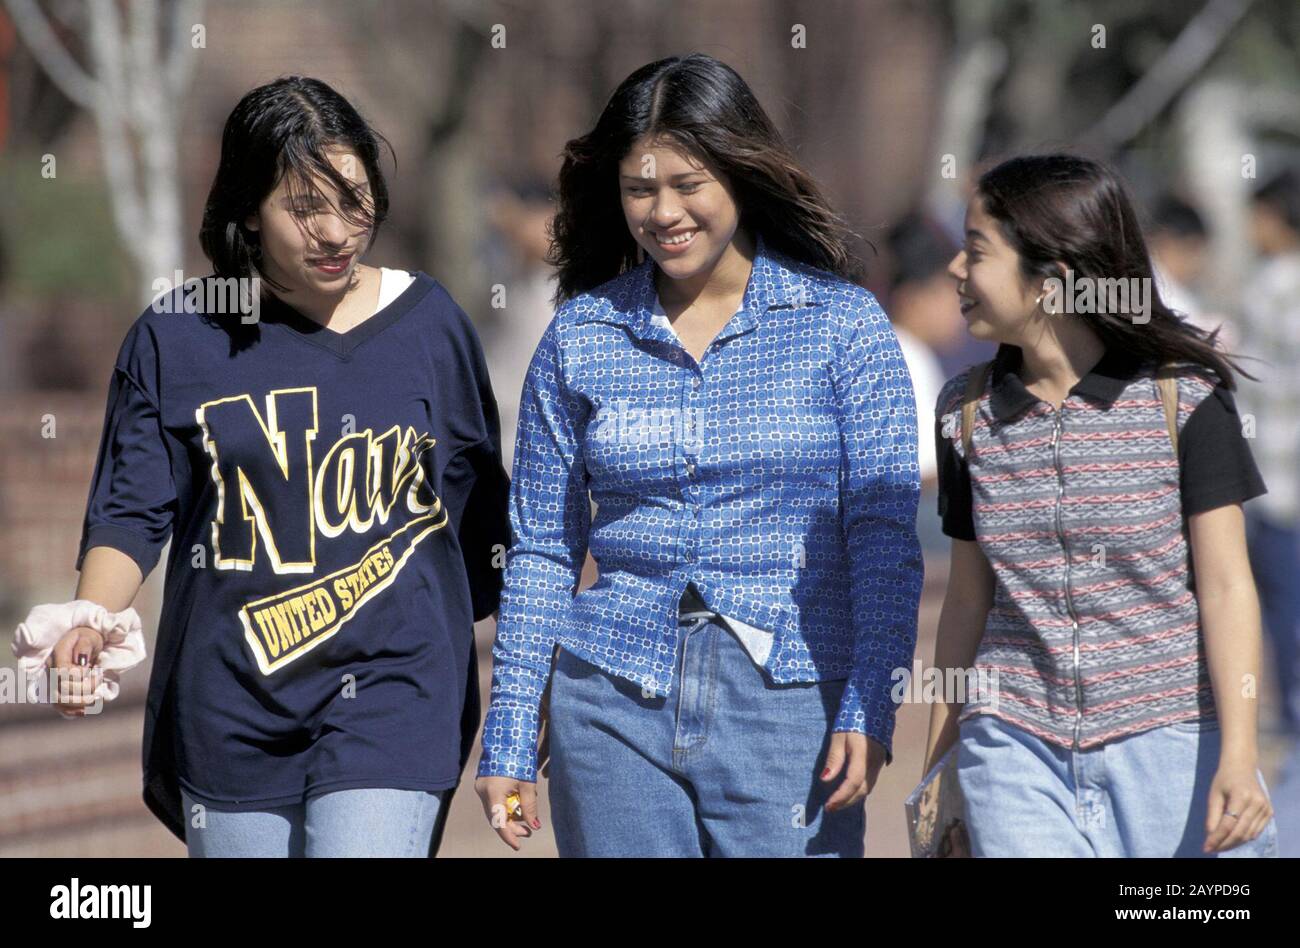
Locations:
{"points": [[1094, 632]]}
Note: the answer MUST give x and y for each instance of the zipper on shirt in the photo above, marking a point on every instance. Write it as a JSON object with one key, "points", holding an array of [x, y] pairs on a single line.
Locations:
{"points": [[1065, 548]]}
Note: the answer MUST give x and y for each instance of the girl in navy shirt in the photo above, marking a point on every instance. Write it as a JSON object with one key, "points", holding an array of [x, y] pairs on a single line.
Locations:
{"points": [[326, 465]]}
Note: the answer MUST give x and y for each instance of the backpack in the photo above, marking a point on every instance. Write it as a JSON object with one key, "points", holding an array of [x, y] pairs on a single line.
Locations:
{"points": [[1166, 382]]}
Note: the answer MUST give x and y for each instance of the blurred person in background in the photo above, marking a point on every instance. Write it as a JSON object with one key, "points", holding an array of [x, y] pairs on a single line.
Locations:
{"points": [[927, 320], [1270, 332], [741, 414], [521, 219], [1179, 242]]}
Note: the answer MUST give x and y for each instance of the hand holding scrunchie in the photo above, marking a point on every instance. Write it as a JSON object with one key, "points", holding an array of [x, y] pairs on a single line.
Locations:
{"points": [[35, 639]]}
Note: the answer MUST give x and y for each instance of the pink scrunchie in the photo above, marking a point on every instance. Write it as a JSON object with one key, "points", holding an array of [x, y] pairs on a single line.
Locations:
{"points": [[35, 639]]}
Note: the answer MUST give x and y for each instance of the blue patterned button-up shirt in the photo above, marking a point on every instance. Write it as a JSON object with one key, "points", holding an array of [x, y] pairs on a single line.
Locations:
{"points": [[778, 474]]}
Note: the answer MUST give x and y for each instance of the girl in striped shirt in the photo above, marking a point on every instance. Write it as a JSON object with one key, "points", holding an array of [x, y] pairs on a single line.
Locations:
{"points": [[1091, 477]]}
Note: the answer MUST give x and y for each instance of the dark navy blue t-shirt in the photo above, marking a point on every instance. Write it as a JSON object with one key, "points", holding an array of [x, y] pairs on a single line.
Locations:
{"points": [[337, 509]]}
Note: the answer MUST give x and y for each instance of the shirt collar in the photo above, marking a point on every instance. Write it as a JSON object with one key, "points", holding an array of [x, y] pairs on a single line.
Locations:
{"points": [[775, 281], [1103, 383], [659, 315]]}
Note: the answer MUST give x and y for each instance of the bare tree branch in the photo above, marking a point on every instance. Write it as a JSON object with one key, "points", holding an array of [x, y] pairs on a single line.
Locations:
{"points": [[1184, 58], [178, 55], [1215, 139], [64, 71], [965, 110], [131, 89], [109, 113]]}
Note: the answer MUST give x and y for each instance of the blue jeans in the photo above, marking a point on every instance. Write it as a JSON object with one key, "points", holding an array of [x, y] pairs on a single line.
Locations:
{"points": [[1275, 562], [344, 823], [1145, 795], [728, 765], [1286, 801]]}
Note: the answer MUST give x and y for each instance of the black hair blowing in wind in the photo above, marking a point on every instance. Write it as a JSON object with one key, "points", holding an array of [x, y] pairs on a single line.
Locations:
{"points": [[704, 107], [1066, 209], [278, 129]]}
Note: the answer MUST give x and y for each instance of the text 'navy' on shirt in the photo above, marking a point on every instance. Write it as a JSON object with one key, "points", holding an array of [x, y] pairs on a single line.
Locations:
{"points": [[333, 502]]}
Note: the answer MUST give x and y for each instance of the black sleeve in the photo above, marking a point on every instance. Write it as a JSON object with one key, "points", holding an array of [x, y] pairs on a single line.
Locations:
{"points": [[485, 526], [485, 530], [132, 499], [1217, 468], [954, 488]]}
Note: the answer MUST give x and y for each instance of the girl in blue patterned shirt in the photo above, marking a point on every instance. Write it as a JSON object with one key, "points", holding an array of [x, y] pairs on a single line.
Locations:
{"points": [[740, 414]]}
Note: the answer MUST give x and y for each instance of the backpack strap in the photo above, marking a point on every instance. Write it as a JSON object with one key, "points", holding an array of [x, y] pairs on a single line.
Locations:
{"points": [[1167, 383], [974, 389]]}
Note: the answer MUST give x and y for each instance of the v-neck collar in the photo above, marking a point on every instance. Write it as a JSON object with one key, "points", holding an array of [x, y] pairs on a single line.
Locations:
{"points": [[659, 315], [343, 344], [775, 281]]}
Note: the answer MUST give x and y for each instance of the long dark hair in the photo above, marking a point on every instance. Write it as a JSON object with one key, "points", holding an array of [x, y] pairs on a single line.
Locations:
{"points": [[1072, 209], [284, 127], [704, 106]]}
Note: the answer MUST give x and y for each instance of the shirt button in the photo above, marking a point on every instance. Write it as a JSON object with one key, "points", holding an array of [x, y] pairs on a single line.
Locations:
{"points": [[695, 382], [690, 468]]}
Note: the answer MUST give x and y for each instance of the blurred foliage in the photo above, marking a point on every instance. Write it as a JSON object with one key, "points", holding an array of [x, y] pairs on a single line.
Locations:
{"points": [[58, 233], [1058, 84]]}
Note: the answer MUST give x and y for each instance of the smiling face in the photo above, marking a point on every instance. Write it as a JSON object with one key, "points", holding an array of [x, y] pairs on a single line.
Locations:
{"points": [[997, 302], [308, 245], [679, 209]]}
